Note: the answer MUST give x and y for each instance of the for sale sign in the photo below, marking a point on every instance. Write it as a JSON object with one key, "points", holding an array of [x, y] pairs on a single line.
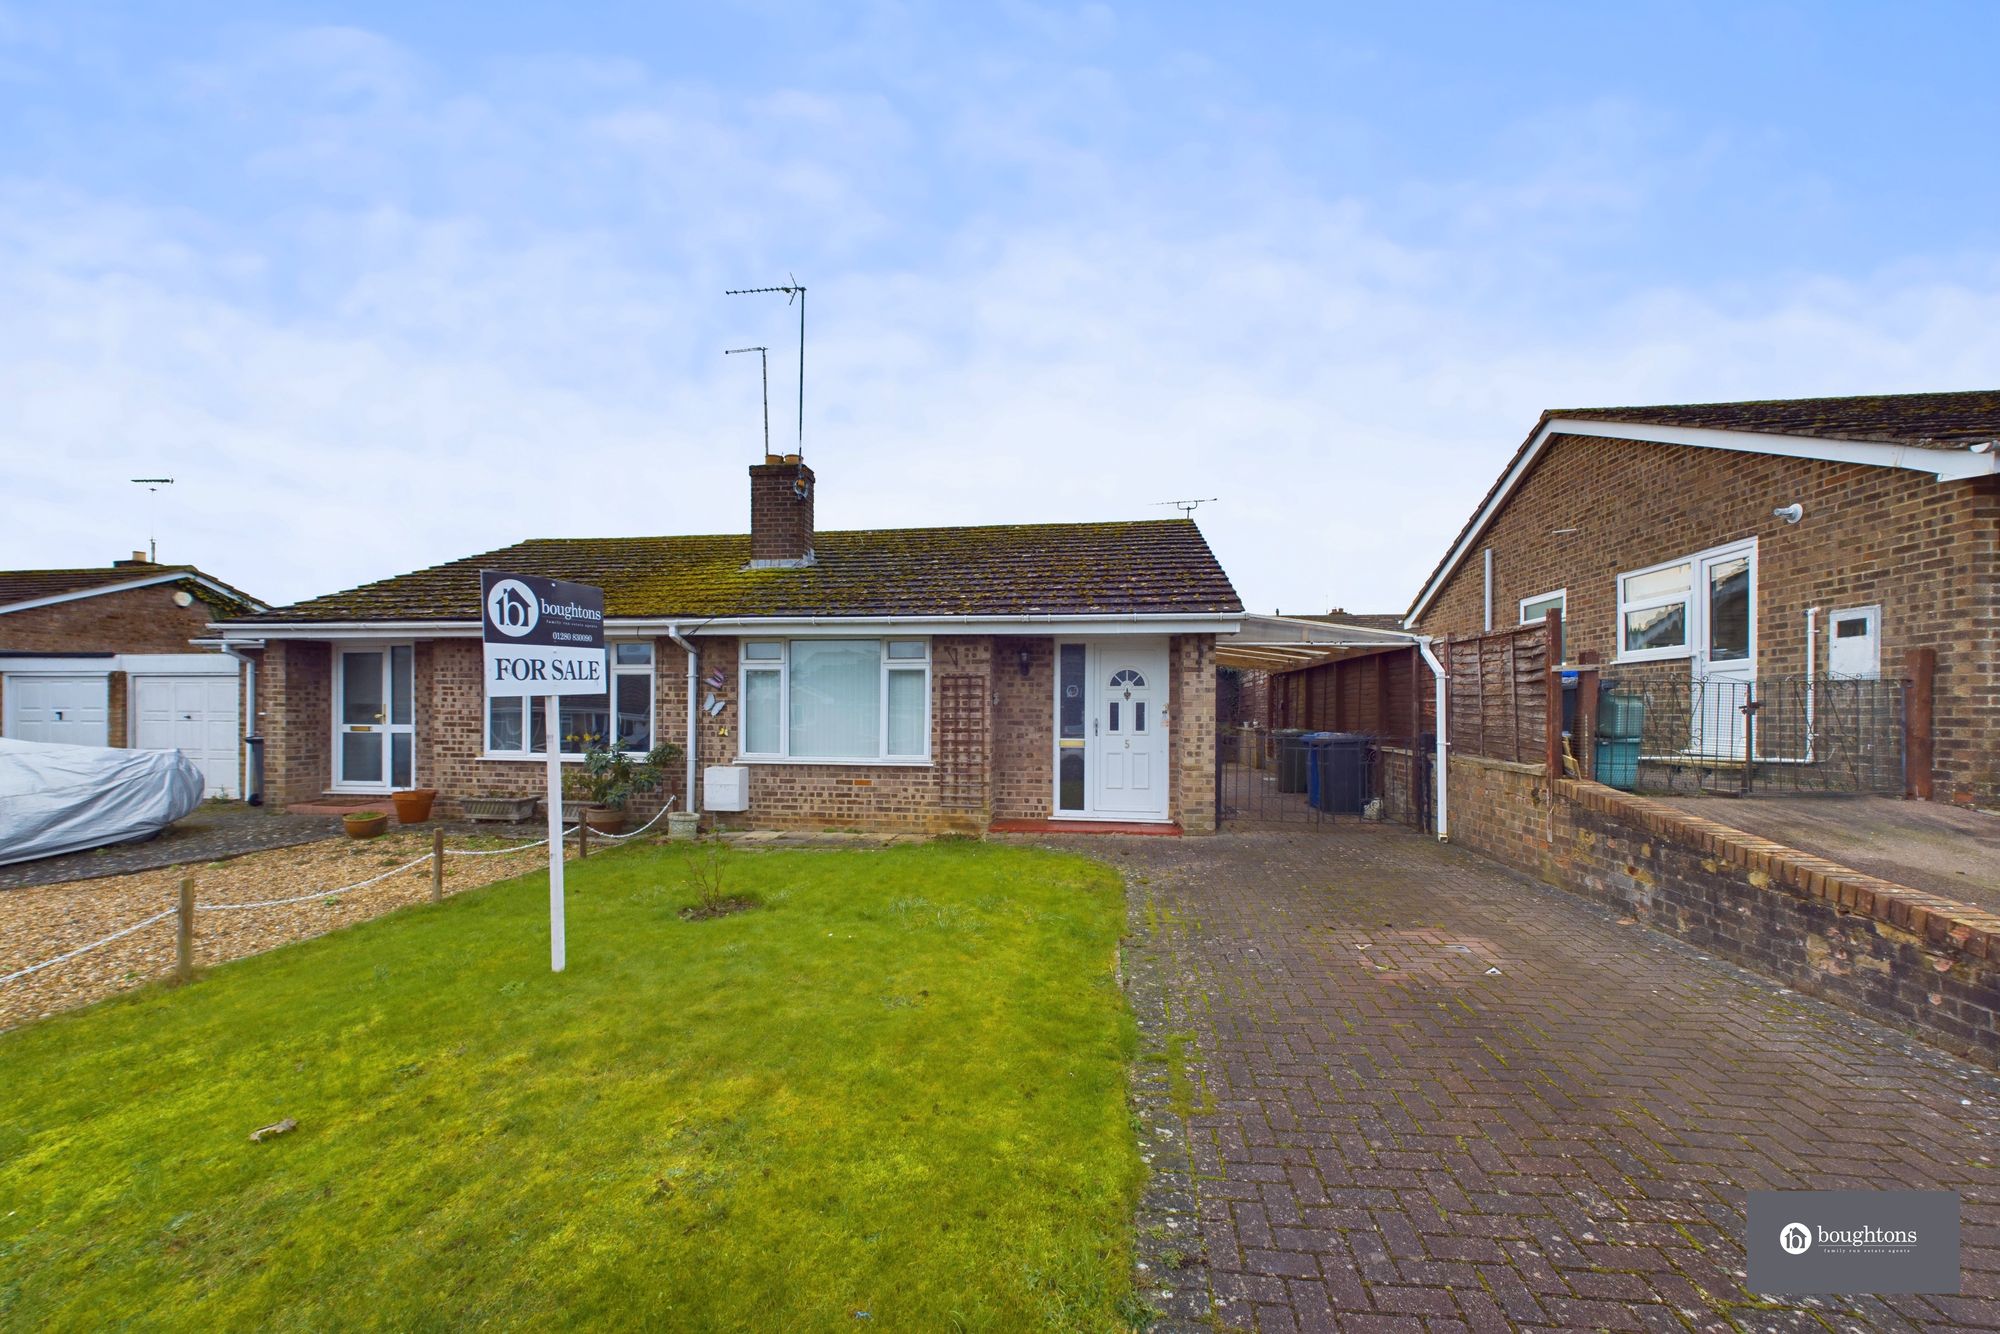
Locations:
{"points": [[543, 636]]}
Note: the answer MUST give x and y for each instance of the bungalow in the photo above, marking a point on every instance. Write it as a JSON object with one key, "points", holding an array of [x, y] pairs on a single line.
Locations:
{"points": [[1741, 546], [111, 656], [944, 679]]}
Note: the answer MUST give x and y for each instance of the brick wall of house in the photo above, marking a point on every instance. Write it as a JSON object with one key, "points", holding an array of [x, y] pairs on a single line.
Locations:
{"points": [[1024, 729], [138, 620], [1191, 718], [1927, 552], [1914, 960], [991, 738], [295, 715]]}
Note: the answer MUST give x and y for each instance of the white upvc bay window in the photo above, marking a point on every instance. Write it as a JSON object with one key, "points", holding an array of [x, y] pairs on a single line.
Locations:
{"points": [[836, 700]]}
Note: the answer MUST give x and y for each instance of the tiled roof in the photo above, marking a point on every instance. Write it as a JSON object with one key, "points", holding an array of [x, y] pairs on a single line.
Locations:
{"points": [[1952, 422], [32, 585], [1931, 421], [1158, 566]]}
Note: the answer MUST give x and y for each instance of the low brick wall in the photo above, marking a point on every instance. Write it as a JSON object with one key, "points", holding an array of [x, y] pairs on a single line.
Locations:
{"points": [[1919, 961]]}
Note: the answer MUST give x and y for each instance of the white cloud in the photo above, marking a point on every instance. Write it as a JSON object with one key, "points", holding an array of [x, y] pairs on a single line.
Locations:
{"points": [[441, 317]]}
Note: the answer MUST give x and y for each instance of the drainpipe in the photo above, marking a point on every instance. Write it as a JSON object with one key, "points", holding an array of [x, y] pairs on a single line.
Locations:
{"points": [[1438, 767], [694, 665], [1489, 590], [1812, 635], [250, 719]]}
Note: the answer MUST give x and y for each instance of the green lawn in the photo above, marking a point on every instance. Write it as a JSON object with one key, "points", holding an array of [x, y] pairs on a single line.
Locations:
{"points": [[895, 1089]]}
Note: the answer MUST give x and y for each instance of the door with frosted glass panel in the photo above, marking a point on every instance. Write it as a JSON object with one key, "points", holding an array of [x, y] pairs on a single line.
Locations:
{"points": [[374, 719], [1723, 649]]}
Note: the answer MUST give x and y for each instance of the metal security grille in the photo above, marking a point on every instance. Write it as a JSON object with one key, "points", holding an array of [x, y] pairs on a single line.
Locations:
{"points": [[1294, 779], [1779, 734]]}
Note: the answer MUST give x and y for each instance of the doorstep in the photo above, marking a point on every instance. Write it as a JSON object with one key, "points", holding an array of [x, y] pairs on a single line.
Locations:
{"points": [[1084, 827], [339, 803]]}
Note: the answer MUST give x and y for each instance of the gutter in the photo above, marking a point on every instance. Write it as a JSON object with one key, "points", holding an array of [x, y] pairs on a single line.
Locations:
{"points": [[694, 666], [1214, 622], [1440, 766]]}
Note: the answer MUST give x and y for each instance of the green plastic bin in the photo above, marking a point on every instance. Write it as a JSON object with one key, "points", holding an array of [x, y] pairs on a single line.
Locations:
{"points": [[1621, 717], [1293, 759], [1618, 763]]}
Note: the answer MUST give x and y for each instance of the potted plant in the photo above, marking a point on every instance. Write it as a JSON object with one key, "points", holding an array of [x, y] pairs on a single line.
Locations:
{"points": [[413, 805], [610, 776], [365, 824]]}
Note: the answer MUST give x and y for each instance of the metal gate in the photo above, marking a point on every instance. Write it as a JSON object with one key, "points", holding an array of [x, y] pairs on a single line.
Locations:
{"points": [[1297, 779]]}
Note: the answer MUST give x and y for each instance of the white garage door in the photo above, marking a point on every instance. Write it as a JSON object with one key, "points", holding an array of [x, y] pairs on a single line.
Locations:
{"points": [[195, 715], [68, 710]]}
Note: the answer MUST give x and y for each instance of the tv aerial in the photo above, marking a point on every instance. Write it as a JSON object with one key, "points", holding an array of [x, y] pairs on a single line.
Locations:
{"points": [[792, 290], [1186, 507], [153, 485]]}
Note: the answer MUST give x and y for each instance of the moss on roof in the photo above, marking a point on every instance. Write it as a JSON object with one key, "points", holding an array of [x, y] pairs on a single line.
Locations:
{"points": [[1155, 566]]}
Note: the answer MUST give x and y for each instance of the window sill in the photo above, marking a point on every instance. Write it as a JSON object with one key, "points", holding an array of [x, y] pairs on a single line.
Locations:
{"points": [[538, 757], [913, 762], [1656, 655]]}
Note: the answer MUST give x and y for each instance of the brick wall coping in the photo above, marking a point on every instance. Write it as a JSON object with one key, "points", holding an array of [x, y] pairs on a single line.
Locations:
{"points": [[1939, 922]]}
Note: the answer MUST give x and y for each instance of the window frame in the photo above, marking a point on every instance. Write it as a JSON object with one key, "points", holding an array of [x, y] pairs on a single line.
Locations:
{"points": [[1561, 598], [1685, 600], [781, 667], [531, 704]]}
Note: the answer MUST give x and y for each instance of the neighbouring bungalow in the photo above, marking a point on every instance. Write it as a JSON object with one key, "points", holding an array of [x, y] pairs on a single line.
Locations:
{"points": [[114, 656], [1787, 551], [941, 679]]}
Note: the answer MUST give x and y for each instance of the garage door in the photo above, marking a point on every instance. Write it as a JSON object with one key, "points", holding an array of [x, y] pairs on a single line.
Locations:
{"points": [[68, 710], [195, 715]]}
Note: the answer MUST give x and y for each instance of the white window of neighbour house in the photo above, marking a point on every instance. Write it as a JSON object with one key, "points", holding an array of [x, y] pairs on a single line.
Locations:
{"points": [[836, 700], [625, 711], [1655, 608]]}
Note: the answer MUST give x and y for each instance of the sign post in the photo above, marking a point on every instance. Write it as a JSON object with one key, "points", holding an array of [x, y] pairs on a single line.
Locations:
{"points": [[544, 637]]}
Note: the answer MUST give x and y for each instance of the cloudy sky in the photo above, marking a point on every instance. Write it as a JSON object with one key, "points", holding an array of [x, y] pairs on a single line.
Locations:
{"points": [[394, 285]]}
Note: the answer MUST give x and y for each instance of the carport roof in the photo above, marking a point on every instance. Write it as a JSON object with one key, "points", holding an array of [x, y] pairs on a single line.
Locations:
{"points": [[1284, 643]]}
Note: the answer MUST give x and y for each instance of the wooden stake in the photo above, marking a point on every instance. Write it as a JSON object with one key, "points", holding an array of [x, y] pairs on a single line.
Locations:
{"points": [[1920, 724], [582, 836], [437, 865], [184, 937]]}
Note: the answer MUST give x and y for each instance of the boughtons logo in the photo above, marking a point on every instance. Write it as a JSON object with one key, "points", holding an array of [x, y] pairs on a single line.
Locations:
{"points": [[513, 608], [1795, 1238]]}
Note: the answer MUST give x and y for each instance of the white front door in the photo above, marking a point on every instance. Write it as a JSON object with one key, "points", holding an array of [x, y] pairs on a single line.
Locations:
{"points": [[195, 715], [1111, 729], [1723, 647], [374, 741], [67, 710]]}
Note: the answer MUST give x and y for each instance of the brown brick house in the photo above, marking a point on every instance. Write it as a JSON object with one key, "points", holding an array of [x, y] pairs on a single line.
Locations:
{"points": [[107, 656], [939, 679], [1756, 542]]}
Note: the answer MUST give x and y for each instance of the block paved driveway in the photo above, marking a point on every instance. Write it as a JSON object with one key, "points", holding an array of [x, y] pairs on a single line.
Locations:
{"points": [[1387, 1135]]}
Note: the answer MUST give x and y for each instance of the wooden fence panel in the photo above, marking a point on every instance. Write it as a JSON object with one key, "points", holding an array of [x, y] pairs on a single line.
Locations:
{"points": [[1499, 694]]}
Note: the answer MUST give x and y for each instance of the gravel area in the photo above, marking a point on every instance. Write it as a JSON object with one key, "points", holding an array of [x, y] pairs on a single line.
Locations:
{"points": [[215, 829], [43, 921]]}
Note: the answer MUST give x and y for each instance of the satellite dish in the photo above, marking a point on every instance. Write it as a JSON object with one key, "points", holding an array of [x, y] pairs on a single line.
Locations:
{"points": [[183, 598]]}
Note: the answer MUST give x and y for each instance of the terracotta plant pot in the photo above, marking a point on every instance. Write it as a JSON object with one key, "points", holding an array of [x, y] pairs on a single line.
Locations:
{"points": [[413, 806], [604, 819], [365, 824]]}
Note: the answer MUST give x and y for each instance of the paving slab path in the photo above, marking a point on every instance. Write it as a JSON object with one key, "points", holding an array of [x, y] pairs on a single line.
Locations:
{"points": [[1423, 1093]]}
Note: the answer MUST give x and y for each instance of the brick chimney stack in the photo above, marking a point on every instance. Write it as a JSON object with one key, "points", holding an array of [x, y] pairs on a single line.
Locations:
{"points": [[781, 512]]}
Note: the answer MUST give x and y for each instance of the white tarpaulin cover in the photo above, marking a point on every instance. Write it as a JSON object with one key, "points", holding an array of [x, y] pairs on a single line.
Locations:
{"points": [[67, 798]]}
